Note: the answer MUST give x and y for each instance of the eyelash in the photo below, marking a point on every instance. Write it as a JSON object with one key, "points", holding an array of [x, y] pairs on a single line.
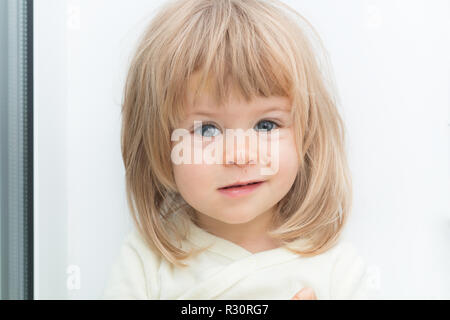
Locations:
{"points": [[212, 124]]}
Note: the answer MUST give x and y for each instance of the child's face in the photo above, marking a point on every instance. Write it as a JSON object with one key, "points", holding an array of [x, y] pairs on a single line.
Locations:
{"points": [[199, 184]]}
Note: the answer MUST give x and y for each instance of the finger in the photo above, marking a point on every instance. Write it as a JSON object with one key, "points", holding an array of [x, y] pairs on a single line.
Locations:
{"points": [[305, 294]]}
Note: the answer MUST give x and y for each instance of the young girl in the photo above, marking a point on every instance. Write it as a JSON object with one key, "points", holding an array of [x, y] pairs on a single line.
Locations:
{"points": [[201, 68]]}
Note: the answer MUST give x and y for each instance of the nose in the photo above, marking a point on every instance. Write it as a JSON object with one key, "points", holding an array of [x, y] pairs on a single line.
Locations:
{"points": [[240, 149]]}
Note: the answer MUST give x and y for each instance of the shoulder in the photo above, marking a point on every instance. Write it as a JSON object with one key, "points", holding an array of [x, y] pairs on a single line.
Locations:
{"points": [[135, 241], [132, 275], [344, 250], [351, 278], [135, 247]]}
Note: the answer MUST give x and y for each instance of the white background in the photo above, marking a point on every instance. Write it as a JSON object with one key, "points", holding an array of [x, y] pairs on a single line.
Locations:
{"points": [[391, 65]]}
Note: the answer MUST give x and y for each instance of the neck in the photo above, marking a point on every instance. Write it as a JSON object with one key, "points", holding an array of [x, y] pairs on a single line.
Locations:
{"points": [[251, 235]]}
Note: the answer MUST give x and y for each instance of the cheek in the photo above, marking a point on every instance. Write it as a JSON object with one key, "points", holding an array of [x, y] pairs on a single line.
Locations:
{"points": [[288, 155], [193, 180], [288, 160]]}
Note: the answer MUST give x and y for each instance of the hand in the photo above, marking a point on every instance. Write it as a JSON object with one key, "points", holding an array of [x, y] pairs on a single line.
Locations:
{"points": [[305, 294]]}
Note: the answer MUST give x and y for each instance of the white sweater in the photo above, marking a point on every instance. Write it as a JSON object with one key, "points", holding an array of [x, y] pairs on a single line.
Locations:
{"points": [[228, 271]]}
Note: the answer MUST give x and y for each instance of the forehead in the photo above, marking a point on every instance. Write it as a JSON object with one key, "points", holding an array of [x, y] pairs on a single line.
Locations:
{"points": [[206, 105], [205, 102]]}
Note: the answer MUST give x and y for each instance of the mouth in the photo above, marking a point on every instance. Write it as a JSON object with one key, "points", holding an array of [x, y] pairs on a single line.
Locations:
{"points": [[241, 184], [240, 189]]}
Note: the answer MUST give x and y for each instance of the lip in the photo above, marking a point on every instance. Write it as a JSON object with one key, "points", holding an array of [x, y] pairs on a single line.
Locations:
{"points": [[241, 191], [242, 183]]}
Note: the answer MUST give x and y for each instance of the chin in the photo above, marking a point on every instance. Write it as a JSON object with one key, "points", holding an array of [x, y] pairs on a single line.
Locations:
{"points": [[236, 220]]}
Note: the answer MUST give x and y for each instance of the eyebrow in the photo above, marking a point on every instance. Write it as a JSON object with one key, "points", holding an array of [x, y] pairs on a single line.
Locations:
{"points": [[265, 110]]}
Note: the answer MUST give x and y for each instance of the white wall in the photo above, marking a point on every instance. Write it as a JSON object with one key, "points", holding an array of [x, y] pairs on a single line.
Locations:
{"points": [[391, 62]]}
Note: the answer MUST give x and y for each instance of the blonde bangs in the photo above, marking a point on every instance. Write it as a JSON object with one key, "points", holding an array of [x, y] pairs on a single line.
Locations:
{"points": [[247, 48]]}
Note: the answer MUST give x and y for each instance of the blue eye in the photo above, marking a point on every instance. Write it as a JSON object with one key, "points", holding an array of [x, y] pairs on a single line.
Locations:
{"points": [[206, 128], [266, 127], [209, 130]]}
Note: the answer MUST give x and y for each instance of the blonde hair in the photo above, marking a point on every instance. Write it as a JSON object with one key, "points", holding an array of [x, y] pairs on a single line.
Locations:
{"points": [[260, 48]]}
